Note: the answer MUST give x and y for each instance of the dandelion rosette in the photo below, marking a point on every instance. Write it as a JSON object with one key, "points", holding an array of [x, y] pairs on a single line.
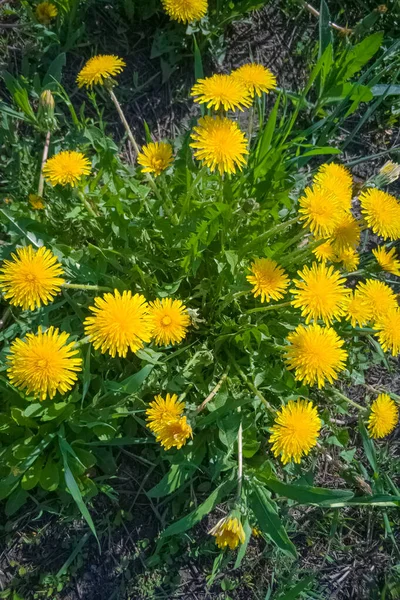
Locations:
{"points": [[382, 213], [219, 143], [256, 78], [155, 157], [379, 295], [383, 418], [120, 322], [319, 211], [222, 91], [99, 69], [388, 327], [31, 278], [43, 364], [295, 431], [387, 260], [169, 321], [321, 293], [336, 180], [45, 12], [228, 532], [316, 354], [185, 11], [66, 167], [358, 310], [268, 278]]}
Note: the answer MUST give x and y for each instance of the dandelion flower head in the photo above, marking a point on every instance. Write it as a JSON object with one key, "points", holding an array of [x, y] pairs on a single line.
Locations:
{"points": [[382, 213], [66, 167], [256, 78], [169, 321], [387, 260], [268, 278], [45, 12], [185, 11], [379, 295], [228, 532], [388, 327], [383, 418], [99, 69], [155, 157], [359, 311], [319, 211], [222, 91]]}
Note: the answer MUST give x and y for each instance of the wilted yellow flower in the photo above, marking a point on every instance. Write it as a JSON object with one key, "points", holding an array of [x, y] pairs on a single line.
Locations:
{"points": [[120, 322], [390, 171], [221, 91], [66, 167], [228, 532], [99, 69], [387, 259], [220, 144], [268, 278], [358, 310], [169, 321], [185, 11], [346, 233], [380, 296], [45, 12], [319, 210], [44, 363], [337, 180], [155, 157], [256, 78], [31, 278], [383, 418], [164, 418], [349, 258], [321, 294], [36, 202], [295, 430], [382, 213], [316, 354], [388, 327], [324, 252]]}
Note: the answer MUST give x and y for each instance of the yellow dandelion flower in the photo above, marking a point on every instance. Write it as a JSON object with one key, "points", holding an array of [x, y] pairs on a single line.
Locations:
{"points": [[324, 252], [169, 321], [45, 12], [268, 278], [321, 294], [220, 144], [256, 532], [358, 310], [379, 295], [66, 168], [349, 259], [221, 91], [388, 328], [228, 532], [256, 78], [316, 354], [120, 322], [174, 433], [337, 180], [295, 430], [31, 278], [99, 69], [185, 11], [155, 157], [43, 364], [319, 211], [384, 416], [36, 202], [382, 213], [387, 260], [346, 233], [162, 411]]}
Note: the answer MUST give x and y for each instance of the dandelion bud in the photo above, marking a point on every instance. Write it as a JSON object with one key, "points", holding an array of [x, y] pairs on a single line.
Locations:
{"points": [[46, 116], [47, 100], [390, 171]]}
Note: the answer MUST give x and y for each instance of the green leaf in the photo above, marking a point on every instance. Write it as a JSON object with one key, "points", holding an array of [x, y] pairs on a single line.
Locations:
{"points": [[201, 511], [50, 475], [31, 476], [294, 593], [304, 494], [369, 447], [131, 384], [377, 500], [86, 373], [243, 547], [15, 501], [325, 35], [269, 521], [54, 72], [171, 481], [360, 54]]}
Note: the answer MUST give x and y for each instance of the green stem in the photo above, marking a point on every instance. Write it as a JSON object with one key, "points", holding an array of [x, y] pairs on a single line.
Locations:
{"points": [[186, 204], [83, 286], [267, 234], [346, 399], [251, 123], [44, 158], [133, 141], [249, 384], [271, 307], [240, 460], [5, 317]]}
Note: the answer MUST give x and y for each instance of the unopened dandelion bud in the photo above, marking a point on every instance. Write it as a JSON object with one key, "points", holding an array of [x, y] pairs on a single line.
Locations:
{"points": [[389, 173], [46, 117]]}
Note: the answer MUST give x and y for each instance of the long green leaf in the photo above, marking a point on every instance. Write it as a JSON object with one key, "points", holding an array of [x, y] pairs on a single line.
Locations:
{"points": [[325, 35], [269, 521], [377, 500], [297, 589], [304, 494], [369, 447]]}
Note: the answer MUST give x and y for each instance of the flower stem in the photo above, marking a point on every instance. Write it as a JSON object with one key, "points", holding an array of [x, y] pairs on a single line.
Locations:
{"points": [[346, 399], [83, 286], [267, 234], [133, 141], [271, 307], [214, 392], [251, 123], [240, 460], [86, 204], [44, 158], [249, 384]]}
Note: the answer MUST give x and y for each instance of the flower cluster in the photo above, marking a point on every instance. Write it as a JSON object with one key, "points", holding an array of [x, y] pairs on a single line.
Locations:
{"points": [[165, 420]]}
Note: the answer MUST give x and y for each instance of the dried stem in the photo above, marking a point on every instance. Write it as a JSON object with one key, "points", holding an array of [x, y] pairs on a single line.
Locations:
{"points": [[214, 392], [83, 286], [315, 12]]}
